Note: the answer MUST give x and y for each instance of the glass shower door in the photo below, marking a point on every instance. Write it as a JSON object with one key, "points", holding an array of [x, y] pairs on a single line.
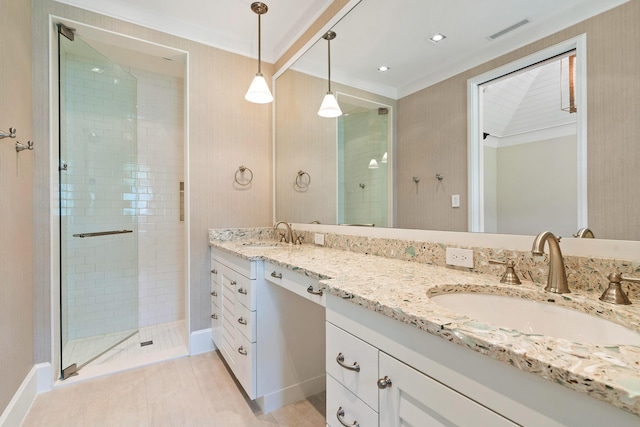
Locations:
{"points": [[98, 212]]}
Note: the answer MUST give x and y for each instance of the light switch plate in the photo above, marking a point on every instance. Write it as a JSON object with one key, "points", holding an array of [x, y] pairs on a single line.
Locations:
{"points": [[318, 239], [455, 200]]}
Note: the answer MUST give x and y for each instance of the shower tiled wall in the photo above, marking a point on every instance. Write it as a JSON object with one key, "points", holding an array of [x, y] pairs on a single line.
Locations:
{"points": [[97, 193], [161, 245], [364, 192], [153, 199]]}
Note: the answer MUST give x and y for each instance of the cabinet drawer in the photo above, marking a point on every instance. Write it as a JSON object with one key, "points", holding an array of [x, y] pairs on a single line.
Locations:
{"points": [[346, 405], [245, 267], [216, 294], [353, 351], [246, 322], [215, 271], [417, 399], [245, 366], [246, 294], [306, 287], [216, 325], [239, 287]]}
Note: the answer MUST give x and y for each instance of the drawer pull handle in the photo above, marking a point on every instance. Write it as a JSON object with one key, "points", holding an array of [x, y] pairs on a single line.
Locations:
{"points": [[242, 291], [242, 351], [340, 415], [214, 316], [214, 271], [242, 321], [312, 292], [233, 283], [354, 367], [276, 275], [384, 383], [214, 294]]}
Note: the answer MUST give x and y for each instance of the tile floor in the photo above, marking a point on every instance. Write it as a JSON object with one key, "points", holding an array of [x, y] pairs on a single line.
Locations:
{"points": [[188, 391]]}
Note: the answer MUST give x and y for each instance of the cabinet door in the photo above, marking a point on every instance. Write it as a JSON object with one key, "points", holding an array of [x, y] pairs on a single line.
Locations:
{"points": [[417, 400]]}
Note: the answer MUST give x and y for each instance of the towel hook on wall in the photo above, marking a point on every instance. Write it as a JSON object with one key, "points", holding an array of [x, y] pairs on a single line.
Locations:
{"points": [[10, 134], [20, 146]]}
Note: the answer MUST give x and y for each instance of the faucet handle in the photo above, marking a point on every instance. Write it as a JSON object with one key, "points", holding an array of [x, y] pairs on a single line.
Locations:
{"points": [[510, 276], [614, 293], [298, 240], [282, 236]]}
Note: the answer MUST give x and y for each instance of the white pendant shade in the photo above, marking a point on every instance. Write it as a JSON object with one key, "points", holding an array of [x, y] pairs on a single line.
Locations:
{"points": [[259, 92], [329, 106], [384, 158], [373, 164]]}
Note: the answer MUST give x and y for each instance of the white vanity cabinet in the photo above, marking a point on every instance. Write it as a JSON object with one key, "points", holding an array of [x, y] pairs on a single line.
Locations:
{"points": [[234, 333], [369, 387], [425, 380], [272, 339]]}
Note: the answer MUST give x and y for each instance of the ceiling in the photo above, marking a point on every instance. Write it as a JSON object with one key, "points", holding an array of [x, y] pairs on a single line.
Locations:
{"points": [[226, 24], [396, 34], [376, 32], [525, 102]]}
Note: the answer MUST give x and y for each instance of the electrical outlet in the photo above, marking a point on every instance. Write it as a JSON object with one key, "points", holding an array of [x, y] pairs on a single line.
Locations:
{"points": [[319, 239], [460, 257]]}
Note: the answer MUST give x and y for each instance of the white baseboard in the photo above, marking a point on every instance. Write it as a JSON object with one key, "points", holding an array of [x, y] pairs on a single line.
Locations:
{"points": [[291, 394], [38, 379], [201, 342]]}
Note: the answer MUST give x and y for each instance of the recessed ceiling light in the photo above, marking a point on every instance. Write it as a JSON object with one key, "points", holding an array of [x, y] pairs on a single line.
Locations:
{"points": [[383, 68], [97, 70], [437, 37]]}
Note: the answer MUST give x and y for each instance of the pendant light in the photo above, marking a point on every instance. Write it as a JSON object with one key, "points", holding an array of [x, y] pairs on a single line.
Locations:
{"points": [[259, 92], [329, 106]]}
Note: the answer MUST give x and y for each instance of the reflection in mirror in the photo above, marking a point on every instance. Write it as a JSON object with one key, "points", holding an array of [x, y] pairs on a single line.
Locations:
{"points": [[427, 88], [530, 151], [334, 152], [363, 172]]}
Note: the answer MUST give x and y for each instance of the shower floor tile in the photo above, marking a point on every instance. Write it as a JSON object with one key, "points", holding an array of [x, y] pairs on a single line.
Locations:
{"points": [[169, 341]]}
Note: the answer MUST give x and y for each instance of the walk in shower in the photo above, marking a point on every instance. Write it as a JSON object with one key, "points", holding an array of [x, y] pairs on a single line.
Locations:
{"points": [[113, 280], [363, 159]]}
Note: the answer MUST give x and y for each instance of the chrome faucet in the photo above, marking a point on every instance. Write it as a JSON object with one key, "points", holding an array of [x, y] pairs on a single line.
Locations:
{"points": [[288, 236], [557, 281]]}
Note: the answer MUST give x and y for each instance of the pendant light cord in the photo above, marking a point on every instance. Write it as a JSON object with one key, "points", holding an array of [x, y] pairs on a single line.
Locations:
{"points": [[259, 46], [329, 62]]}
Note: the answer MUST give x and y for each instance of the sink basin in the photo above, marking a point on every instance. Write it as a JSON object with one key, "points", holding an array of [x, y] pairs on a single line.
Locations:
{"points": [[538, 318], [260, 245]]}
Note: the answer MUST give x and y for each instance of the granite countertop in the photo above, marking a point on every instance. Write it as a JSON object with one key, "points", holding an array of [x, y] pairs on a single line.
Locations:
{"points": [[400, 289]]}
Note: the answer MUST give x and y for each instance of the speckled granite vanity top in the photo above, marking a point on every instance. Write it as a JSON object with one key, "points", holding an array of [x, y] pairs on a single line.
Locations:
{"points": [[400, 289]]}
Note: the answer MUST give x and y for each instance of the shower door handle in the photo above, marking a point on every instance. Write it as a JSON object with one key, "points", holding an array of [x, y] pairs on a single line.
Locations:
{"points": [[102, 233]]}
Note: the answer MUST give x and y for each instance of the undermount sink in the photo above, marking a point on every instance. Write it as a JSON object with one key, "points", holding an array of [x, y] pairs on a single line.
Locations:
{"points": [[538, 318]]}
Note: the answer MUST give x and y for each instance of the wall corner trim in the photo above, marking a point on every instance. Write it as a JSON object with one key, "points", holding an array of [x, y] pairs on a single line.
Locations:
{"points": [[39, 379]]}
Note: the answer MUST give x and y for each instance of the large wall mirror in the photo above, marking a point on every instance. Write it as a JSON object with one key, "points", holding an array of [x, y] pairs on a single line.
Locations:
{"points": [[424, 100]]}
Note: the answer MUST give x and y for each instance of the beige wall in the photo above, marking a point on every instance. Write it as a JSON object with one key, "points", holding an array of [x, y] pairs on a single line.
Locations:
{"points": [[16, 199], [432, 132], [224, 132]]}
